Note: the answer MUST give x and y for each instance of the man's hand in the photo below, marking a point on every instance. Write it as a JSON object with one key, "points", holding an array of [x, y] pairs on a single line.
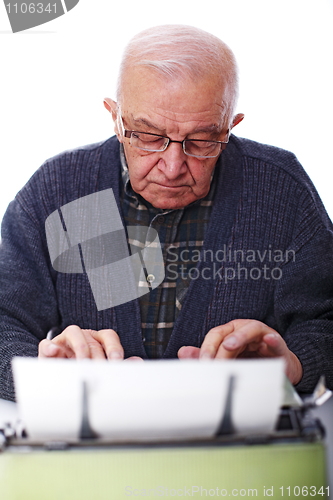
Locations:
{"points": [[245, 338], [80, 344]]}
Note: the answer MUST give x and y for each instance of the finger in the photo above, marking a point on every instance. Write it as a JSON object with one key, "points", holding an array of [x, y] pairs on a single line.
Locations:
{"points": [[248, 332], [273, 345], [110, 341], [293, 368], [46, 349], [73, 339], [223, 353], [134, 358], [213, 340], [189, 352], [275, 342], [95, 348]]}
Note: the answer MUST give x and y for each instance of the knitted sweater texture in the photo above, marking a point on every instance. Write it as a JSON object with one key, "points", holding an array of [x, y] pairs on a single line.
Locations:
{"points": [[267, 255]]}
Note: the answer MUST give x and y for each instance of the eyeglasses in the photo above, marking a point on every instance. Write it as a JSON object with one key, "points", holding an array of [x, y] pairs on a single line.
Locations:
{"points": [[153, 143]]}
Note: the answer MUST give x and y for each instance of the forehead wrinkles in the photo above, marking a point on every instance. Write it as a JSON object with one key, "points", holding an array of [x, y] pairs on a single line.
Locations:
{"points": [[164, 120], [175, 129]]}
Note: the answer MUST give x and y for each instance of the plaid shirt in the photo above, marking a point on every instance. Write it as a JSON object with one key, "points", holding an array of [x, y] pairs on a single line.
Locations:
{"points": [[181, 233]]}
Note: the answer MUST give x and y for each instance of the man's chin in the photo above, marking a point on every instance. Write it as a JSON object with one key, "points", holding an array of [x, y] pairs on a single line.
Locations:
{"points": [[170, 207], [171, 203], [171, 200]]}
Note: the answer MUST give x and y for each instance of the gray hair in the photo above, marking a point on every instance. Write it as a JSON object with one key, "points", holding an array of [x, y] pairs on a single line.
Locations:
{"points": [[180, 51]]}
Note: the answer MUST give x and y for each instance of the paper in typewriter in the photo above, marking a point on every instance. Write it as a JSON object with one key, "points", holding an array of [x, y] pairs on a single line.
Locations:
{"points": [[154, 400]]}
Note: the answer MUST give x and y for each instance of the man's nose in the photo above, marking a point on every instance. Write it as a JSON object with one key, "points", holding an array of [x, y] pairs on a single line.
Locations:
{"points": [[173, 161]]}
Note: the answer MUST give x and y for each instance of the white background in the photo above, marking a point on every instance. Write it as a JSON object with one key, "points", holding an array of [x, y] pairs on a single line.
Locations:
{"points": [[54, 77]]}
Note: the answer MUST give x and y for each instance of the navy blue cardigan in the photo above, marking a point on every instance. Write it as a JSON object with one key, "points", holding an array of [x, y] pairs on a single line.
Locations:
{"points": [[268, 255]]}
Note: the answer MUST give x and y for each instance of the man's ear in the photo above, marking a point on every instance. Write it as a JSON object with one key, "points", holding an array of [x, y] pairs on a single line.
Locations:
{"points": [[237, 119], [112, 107]]}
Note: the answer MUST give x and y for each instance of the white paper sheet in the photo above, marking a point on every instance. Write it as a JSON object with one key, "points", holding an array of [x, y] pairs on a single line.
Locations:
{"points": [[161, 400]]}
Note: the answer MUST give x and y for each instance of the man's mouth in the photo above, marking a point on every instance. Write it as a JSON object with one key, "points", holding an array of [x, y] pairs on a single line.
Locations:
{"points": [[170, 186]]}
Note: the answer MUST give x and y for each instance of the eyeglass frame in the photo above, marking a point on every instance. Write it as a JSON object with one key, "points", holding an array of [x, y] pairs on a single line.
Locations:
{"points": [[128, 134]]}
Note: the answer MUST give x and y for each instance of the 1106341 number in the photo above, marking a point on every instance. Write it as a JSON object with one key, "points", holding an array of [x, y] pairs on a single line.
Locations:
{"points": [[304, 491], [31, 8]]}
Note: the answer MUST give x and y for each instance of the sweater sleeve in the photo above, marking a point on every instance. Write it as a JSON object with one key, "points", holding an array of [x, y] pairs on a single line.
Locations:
{"points": [[28, 306], [304, 308]]}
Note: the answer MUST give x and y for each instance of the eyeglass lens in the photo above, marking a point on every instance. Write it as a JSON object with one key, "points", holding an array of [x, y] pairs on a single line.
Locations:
{"points": [[151, 142]]}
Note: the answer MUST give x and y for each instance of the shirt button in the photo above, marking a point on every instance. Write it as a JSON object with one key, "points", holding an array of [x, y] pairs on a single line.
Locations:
{"points": [[160, 219], [150, 278]]}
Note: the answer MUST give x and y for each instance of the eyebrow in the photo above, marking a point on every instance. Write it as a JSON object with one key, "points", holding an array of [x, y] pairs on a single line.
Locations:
{"points": [[147, 123], [143, 121]]}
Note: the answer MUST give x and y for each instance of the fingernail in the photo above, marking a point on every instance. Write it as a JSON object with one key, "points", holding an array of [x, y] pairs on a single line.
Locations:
{"points": [[271, 335], [52, 349], [230, 342], [115, 355]]}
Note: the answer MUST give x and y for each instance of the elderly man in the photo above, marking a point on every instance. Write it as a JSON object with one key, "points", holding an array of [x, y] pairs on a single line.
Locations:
{"points": [[246, 242]]}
